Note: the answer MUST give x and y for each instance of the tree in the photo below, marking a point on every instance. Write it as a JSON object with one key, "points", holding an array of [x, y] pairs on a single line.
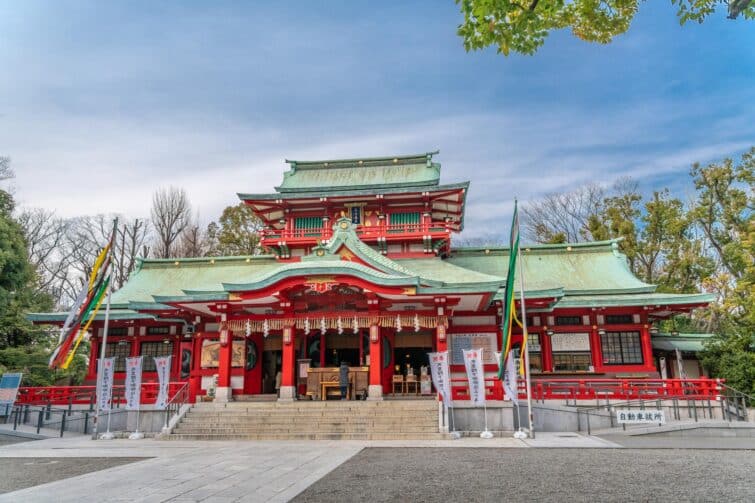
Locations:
{"points": [[563, 217], [171, 215], [238, 232], [522, 25], [46, 239], [131, 243]]}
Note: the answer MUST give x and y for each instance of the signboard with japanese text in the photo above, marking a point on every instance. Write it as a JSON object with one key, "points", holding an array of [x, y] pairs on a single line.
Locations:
{"points": [[647, 416], [440, 374], [475, 375], [570, 342], [461, 342], [162, 365], [105, 383], [133, 382]]}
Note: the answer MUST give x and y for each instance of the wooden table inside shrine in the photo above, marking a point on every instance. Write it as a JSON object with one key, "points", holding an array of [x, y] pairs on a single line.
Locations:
{"points": [[322, 382]]}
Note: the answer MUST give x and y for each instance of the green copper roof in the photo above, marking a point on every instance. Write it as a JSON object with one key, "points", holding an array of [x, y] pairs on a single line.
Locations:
{"points": [[644, 299], [691, 343], [115, 315], [165, 278], [391, 171], [584, 268], [352, 191], [577, 275]]}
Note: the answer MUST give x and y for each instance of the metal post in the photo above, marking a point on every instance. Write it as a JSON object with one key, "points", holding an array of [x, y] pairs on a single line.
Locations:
{"points": [[526, 343], [86, 422], [62, 423], [694, 408], [589, 432], [70, 404], [26, 414], [15, 418], [40, 417], [104, 333], [48, 410]]}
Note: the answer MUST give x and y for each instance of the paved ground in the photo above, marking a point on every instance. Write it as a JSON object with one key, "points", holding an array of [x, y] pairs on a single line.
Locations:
{"points": [[19, 473], [689, 442], [217, 471], [432, 474]]}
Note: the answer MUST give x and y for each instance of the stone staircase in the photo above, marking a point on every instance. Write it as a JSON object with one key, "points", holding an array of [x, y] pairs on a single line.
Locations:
{"points": [[304, 420]]}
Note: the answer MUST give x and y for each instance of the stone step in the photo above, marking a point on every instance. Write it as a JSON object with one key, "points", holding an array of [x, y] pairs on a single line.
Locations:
{"points": [[314, 436], [397, 416], [330, 404], [321, 429], [307, 420]]}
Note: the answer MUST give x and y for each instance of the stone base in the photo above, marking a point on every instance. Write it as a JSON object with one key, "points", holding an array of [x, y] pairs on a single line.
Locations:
{"points": [[375, 392], [287, 394], [222, 394]]}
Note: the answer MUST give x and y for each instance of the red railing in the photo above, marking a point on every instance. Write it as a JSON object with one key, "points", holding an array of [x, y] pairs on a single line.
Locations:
{"points": [[362, 231], [65, 395], [591, 389]]}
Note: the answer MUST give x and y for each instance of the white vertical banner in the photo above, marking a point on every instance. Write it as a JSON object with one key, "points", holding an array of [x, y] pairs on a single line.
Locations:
{"points": [[475, 375], [162, 365], [105, 383], [133, 383], [510, 385], [440, 375]]}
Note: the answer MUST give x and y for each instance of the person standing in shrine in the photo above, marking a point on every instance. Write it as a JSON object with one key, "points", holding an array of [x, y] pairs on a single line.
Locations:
{"points": [[343, 379]]}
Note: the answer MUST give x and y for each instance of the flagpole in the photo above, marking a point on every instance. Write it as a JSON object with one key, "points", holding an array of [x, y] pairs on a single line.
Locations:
{"points": [[525, 342], [107, 435]]}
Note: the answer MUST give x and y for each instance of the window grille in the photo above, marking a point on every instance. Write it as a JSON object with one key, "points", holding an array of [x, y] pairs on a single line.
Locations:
{"points": [[621, 348], [619, 319], [152, 349], [120, 352]]}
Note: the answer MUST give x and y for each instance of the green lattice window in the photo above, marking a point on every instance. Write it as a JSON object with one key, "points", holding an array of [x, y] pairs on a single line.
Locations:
{"points": [[308, 223], [405, 218]]}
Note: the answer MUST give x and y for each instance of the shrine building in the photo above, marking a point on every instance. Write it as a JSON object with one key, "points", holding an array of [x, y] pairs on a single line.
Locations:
{"points": [[359, 267]]}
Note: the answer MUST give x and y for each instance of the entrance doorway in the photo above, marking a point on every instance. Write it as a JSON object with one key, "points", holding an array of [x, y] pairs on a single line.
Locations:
{"points": [[271, 365]]}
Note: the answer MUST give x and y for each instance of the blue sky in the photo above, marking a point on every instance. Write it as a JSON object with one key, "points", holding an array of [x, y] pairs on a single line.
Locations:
{"points": [[103, 102]]}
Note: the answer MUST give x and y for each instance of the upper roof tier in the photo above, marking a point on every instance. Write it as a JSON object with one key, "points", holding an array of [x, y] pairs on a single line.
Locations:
{"points": [[348, 174]]}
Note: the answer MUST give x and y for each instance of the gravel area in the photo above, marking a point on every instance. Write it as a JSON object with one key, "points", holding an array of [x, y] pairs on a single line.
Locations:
{"points": [[465, 475], [19, 473]]}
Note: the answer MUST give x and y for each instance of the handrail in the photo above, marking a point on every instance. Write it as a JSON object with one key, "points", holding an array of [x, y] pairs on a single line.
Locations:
{"points": [[175, 404]]}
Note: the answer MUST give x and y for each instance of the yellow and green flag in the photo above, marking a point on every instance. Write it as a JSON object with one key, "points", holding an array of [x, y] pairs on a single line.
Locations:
{"points": [[509, 314]]}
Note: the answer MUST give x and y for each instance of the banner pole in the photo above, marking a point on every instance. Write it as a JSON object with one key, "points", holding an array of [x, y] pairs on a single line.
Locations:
{"points": [[526, 343], [486, 433], [107, 435]]}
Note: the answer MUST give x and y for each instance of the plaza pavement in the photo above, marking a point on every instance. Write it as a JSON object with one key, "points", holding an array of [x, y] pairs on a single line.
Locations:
{"points": [[219, 471]]}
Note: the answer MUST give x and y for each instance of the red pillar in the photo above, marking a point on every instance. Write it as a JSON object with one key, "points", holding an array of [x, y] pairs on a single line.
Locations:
{"points": [[94, 354], [375, 391], [647, 348], [546, 352], [288, 366], [223, 390], [595, 349], [441, 338]]}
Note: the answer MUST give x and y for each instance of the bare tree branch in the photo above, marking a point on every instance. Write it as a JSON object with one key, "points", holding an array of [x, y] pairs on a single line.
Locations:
{"points": [[171, 215]]}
